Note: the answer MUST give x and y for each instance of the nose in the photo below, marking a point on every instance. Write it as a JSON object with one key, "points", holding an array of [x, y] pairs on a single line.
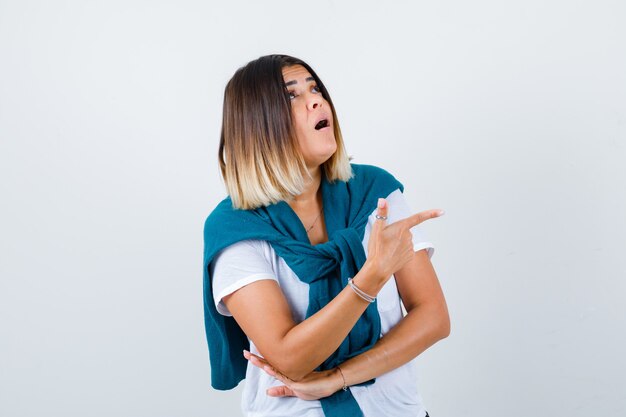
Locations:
{"points": [[314, 101]]}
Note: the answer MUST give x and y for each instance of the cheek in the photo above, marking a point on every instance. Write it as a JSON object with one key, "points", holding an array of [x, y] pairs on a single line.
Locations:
{"points": [[301, 129]]}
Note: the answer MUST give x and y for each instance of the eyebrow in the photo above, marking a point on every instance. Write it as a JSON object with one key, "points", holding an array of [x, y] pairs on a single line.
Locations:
{"points": [[292, 82]]}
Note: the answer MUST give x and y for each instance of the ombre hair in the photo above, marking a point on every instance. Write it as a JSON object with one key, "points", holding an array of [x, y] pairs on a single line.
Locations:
{"points": [[259, 155]]}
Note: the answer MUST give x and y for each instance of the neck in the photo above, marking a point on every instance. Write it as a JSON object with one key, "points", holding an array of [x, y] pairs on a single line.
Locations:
{"points": [[309, 197]]}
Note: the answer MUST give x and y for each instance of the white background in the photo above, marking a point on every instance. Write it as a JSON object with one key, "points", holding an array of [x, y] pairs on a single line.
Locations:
{"points": [[509, 115]]}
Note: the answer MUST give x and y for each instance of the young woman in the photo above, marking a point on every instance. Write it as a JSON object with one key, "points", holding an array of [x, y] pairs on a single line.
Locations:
{"points": [[307, 260]]}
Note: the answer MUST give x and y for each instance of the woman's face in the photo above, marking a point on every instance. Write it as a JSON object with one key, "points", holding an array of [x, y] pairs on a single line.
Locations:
{"points": [[312, 116]]}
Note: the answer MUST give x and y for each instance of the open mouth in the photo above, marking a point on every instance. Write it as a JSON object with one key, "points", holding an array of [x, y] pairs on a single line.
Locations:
{"points": [[321, 124]]}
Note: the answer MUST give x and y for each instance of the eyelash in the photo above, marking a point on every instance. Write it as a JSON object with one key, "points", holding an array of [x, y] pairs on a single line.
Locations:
{"points": [[291, 93]]}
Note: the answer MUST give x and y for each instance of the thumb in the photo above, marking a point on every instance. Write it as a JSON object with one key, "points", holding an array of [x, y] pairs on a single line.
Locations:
{"points": [[382, 208], [280, 391], [382, 211]]}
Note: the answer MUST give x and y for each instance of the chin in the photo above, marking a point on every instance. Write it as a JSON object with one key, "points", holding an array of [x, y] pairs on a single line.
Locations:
{"points": [[319, 160], [330, 152], [325, 158]]}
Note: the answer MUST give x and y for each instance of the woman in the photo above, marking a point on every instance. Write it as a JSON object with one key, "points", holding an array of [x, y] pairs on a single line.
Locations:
{"points": [[307, 260]]}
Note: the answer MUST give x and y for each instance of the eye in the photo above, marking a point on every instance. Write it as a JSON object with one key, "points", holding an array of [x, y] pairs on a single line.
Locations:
{"points": [[316, 89], [291, 95]]}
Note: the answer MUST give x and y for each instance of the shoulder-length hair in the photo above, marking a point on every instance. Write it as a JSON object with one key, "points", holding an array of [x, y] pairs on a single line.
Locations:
{"points": [[259, 154]]}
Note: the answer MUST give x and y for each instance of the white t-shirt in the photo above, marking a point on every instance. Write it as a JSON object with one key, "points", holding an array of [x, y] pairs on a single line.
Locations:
{"points": [[393, 394]]}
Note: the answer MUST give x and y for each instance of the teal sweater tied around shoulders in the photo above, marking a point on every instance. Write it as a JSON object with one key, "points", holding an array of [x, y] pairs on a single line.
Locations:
{"points": [[325, 267]]}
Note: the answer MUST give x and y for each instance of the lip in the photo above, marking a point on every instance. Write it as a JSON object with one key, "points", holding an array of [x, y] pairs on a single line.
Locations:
{"points": [[321, 117]]}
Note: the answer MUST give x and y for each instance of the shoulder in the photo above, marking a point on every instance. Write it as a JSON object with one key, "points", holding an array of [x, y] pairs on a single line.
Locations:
{"points": [[225, 221], [370, 175], [366, 170], [220, 212], [224, 226], [225, 212]]}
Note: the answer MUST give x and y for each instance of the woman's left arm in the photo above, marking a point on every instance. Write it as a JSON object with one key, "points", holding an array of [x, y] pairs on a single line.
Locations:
{"points": [[426, 323]]}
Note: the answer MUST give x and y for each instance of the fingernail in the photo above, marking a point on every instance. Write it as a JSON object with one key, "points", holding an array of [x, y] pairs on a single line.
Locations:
{"points": [[441, 212], [381, 203]]}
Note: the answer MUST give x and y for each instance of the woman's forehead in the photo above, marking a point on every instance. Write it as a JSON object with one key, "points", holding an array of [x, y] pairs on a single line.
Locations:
{"points": [[296, 73]]}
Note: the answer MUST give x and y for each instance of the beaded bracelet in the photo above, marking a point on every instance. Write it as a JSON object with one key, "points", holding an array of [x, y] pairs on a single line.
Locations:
{"points": [[360, 292]]}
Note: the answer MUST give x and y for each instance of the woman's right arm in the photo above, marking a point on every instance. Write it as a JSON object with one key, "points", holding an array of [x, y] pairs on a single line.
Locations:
{"points": [[296, 349]]}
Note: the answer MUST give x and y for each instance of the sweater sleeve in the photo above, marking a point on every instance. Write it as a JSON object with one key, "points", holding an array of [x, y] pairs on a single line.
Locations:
{"points": [[236, 266]]}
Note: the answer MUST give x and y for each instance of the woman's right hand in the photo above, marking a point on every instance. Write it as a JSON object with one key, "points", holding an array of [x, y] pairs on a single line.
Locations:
{"points": [[390, 247]]}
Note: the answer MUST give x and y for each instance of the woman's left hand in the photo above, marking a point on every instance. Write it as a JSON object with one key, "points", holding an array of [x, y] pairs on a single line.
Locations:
{"points": [[314, 386]]}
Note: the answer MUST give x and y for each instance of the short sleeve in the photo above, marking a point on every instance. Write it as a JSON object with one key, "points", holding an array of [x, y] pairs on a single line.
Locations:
{"points": [[236, 266], [399, 209]]}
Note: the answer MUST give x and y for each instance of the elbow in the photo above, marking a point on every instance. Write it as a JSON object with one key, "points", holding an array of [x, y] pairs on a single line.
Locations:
{"points": [[296, 375], [443, 328], [292, 368], [291, 364], [291, 360], [438, 319]]}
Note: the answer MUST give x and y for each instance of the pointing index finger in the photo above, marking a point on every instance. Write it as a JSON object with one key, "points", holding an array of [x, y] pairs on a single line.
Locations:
{"points": [[422, 216]]}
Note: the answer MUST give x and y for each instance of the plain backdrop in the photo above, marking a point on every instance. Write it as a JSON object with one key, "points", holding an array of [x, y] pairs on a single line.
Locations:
{"points": [[511, 116]]}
